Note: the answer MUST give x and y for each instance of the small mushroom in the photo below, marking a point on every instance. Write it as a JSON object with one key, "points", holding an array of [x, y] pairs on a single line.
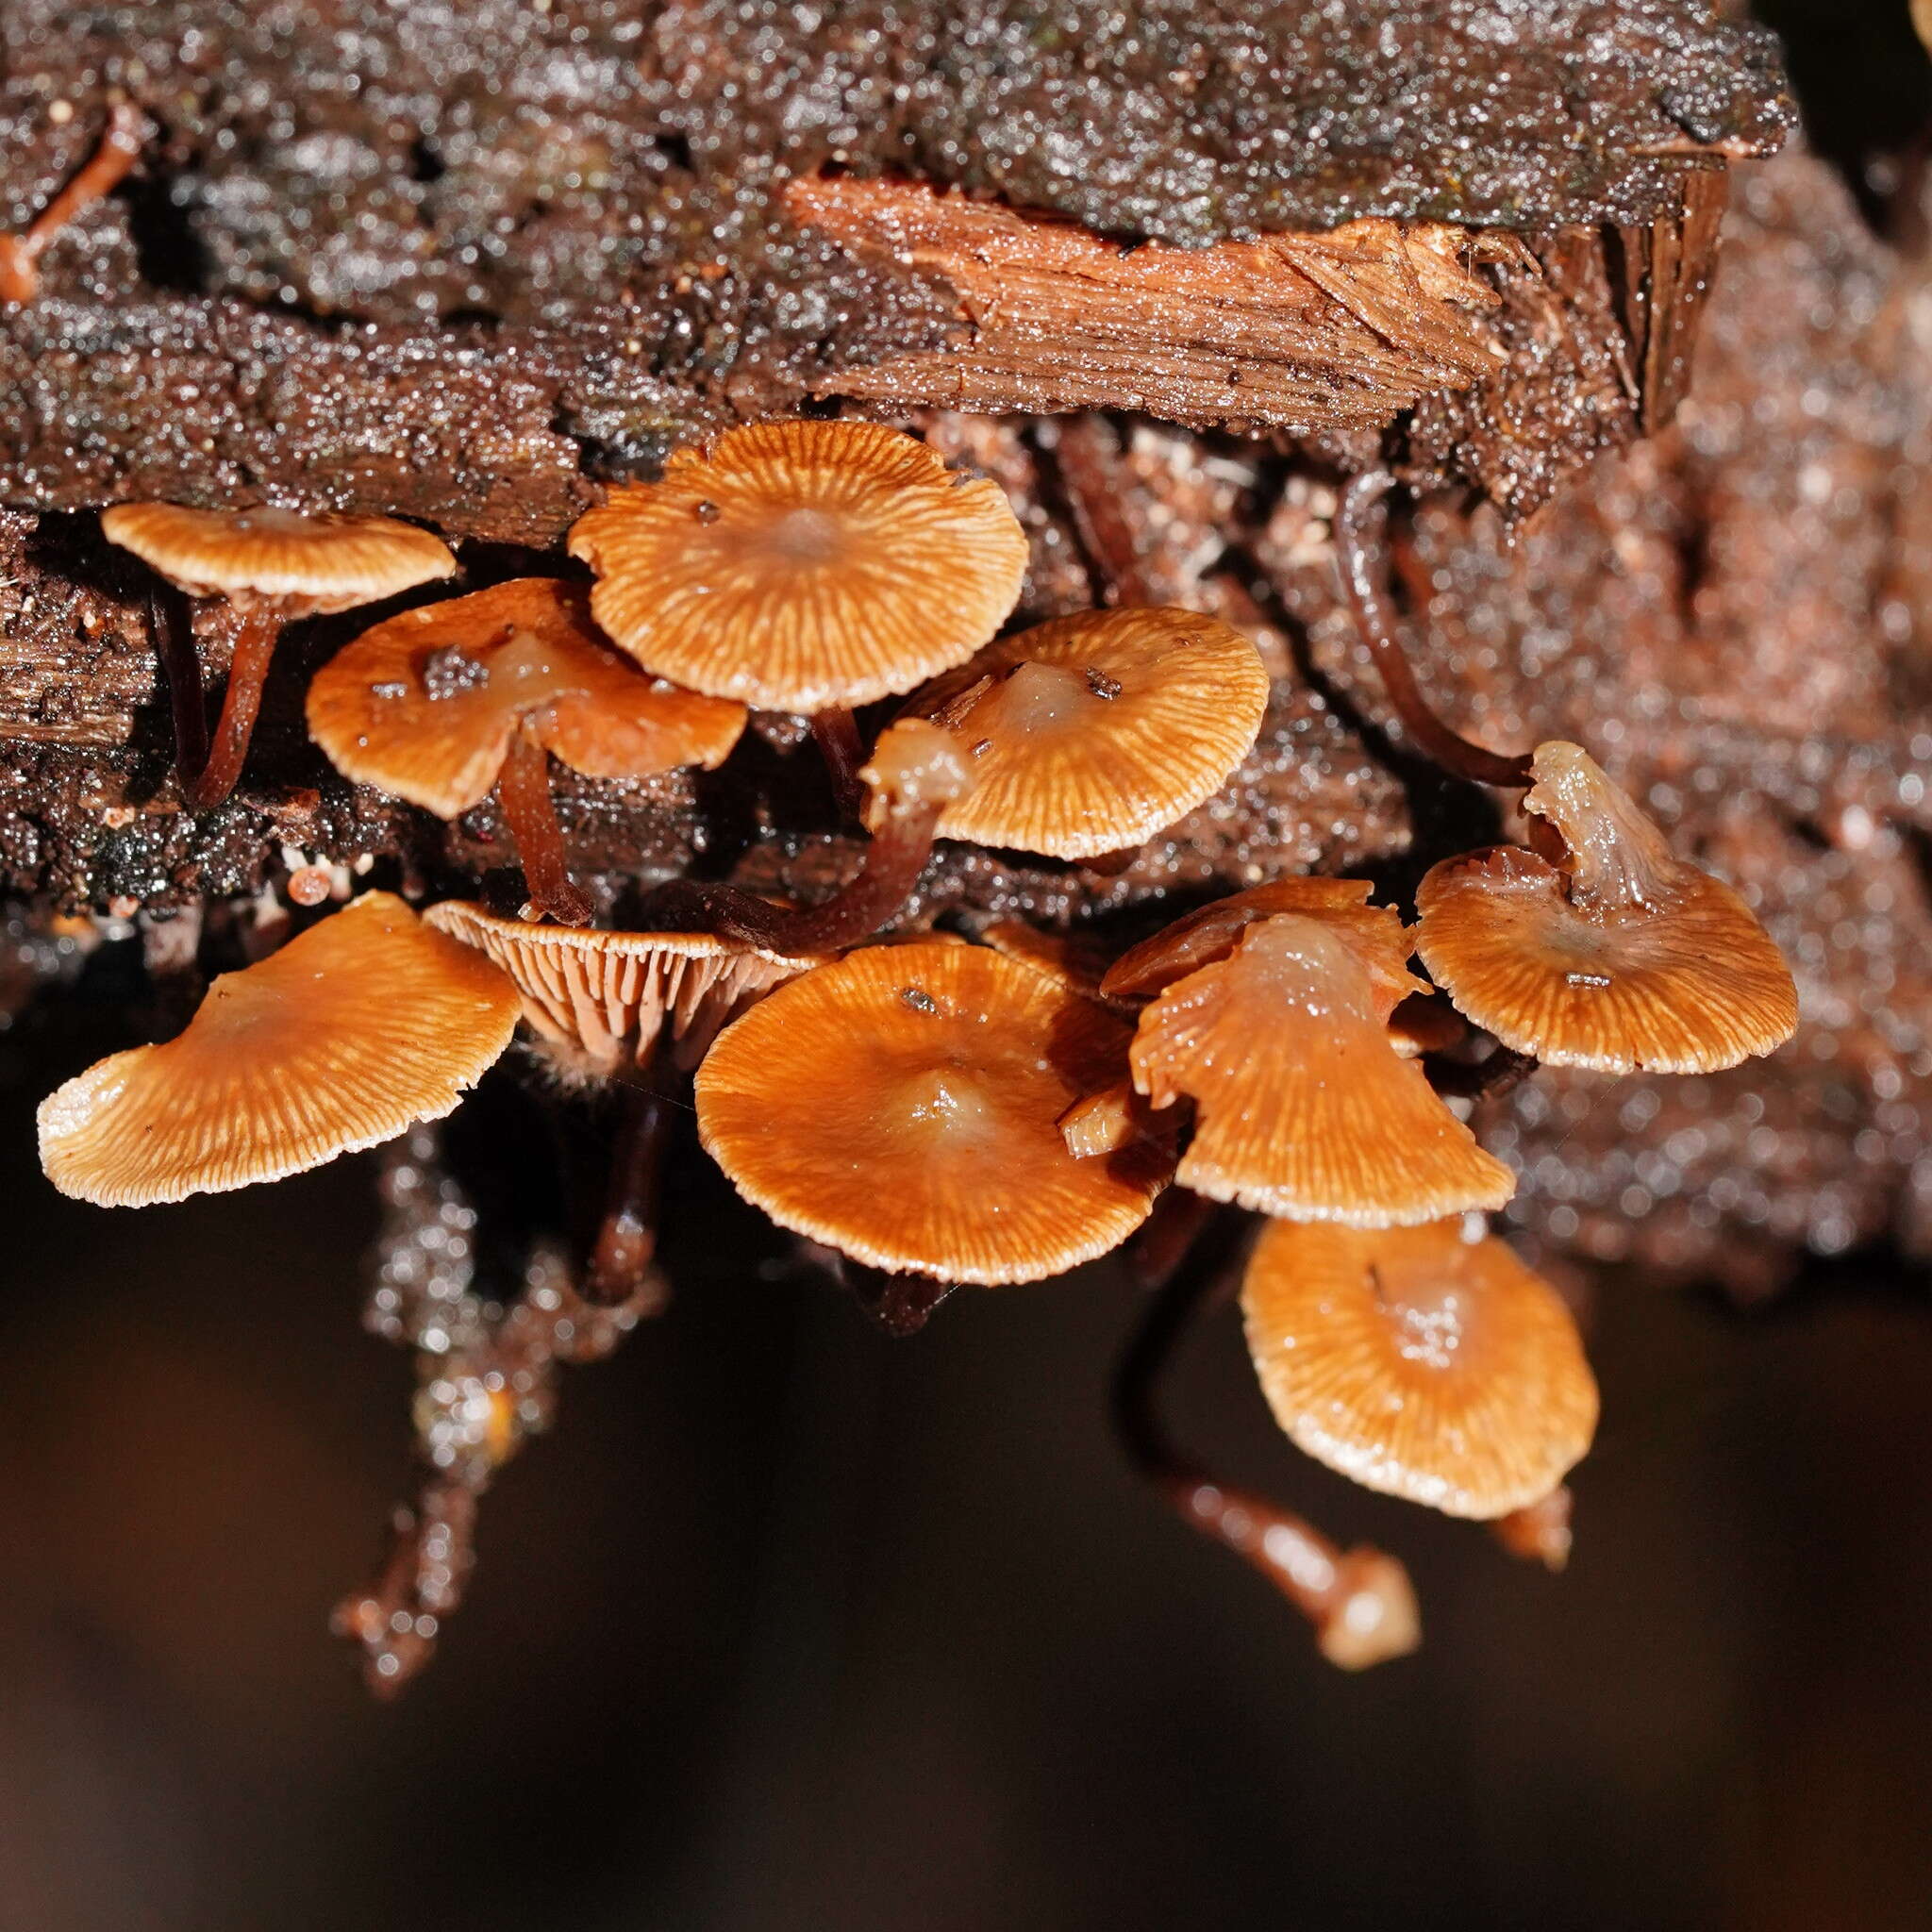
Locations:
{"points": [[638, 1008], [915, 772], [119, 149], [1304, 1108], [1420, 1361], [438, 705], [1539, 1532], [804, 566], [273, 566], [1088, 734], [368, 1021], [1609, 952], [604, 1003], [899, 1104], [1360, 1600]]}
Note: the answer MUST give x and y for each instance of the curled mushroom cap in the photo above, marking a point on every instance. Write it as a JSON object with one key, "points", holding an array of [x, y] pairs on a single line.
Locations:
{"points": [[801, 565], [310, 564], [1618, 955], [1304, 1108], [604, 1000], [1419, 1362], [362, 1025], [900, 1104], [425, 704], [1210, 932], [1092, 732]]}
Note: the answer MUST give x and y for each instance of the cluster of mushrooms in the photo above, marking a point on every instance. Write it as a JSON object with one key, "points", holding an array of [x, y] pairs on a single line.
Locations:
{"points": [[943, 1108]]}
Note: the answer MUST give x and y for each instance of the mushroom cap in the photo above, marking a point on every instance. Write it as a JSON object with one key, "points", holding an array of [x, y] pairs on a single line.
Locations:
{"points": [[1302, 1107], [311, 563], [1420, 1363], [1375, 1615], [1076, 960], [357, 1029], [1619, 956], [801, 565], [425, 704], [900, 1104], [1092, 732], [1210, 932], [604, 1000]]}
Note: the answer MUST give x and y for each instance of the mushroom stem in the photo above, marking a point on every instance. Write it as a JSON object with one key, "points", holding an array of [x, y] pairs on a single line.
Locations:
{"points": [[839, 746], [1109, 865], [1360, 1600], [182, 669], [901, 1305], [1540, 1531], [626, 1243], [1483, 1079], [1374, 619], [204, 785], [523, 790], [893, 862], [119, 148]]}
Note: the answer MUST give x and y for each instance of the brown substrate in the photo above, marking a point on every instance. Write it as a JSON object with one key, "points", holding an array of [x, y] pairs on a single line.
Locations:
{"points": [[1729, 616]]}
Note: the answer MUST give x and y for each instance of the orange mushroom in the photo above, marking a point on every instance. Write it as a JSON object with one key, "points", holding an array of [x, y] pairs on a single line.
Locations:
{"points": [[273, 567], [1304, 1108], [438, 705], [368, 1021], [1609, 952], [1088, 734], [1360, 1600], [1420, 1361], [801, 566], [899, 1104], [638, 1008]]}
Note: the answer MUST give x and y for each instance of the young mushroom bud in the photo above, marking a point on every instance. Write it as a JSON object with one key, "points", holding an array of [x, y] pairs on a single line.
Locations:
{"points": [[362, 1025], [273, 567], [1604, 950], [1420, 1361], [438, 705]]}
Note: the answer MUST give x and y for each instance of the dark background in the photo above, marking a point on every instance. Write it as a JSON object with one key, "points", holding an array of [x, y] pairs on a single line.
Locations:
{"points": [[789, 1625]]}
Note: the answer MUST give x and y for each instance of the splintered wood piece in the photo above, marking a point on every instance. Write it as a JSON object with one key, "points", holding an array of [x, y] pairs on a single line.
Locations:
{"points": [[1306, 331]]}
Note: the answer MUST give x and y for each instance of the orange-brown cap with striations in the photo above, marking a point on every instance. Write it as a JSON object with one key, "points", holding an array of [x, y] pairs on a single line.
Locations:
{"points": [[1419, 1362], [798, 566], [357, 1029], [1090, 733], [1210, 932], [1304, 1108], [900, 1104], [1619, 955], [425, 704], [604, 1000], [307, 564]]}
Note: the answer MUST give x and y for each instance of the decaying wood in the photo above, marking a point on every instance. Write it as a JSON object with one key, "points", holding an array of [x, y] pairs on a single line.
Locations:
{"points": [[1301, 332]]}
